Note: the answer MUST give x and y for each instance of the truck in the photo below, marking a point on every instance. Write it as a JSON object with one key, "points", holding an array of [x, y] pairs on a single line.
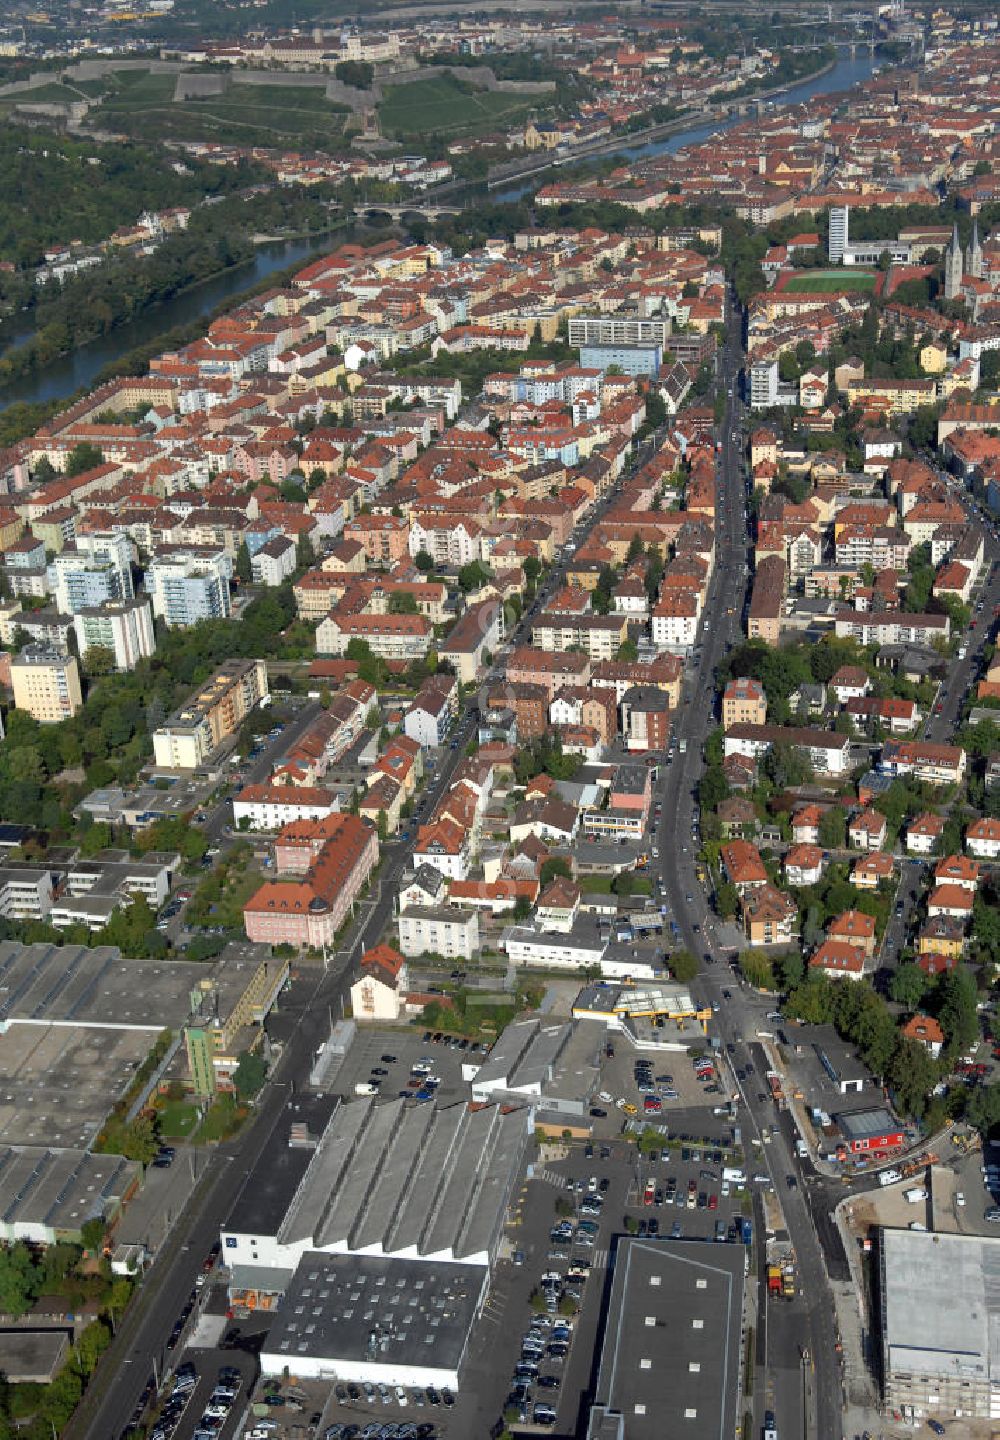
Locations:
{"points": [[889, 1177], [915, 1195], [774, 1280], [801, 1149], [365, 1087], [734, 1175], [682, 746]]}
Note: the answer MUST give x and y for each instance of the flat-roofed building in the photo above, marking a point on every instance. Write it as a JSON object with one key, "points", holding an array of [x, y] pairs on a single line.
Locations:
{"points": [[217, 711], [46, 684], [415, 1331], [670, 1352], [124, 627], [940, 1319]]}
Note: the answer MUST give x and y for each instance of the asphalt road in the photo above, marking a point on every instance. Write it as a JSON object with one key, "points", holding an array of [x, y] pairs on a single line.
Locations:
{"points": [[720, 631]]}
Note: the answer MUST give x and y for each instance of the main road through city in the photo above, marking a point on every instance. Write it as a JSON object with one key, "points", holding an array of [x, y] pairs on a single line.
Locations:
{"points": [[721, 630]]}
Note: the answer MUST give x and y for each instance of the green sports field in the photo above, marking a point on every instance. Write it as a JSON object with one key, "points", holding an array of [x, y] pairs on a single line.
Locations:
{"points": [[820, 282]]}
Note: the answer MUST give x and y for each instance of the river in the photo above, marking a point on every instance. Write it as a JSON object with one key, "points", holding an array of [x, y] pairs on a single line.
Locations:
{"points": [[845, 73], [81, 366], [79, 369]]}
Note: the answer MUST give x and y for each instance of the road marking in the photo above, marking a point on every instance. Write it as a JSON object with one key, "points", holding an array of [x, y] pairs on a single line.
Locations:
{"points": [[551, 1178], [600, 1260]]}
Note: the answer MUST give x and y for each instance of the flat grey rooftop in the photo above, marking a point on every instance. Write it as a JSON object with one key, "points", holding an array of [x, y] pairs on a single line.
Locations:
{"points": [[61, 1188], [58, 1082], [670, 1353], [420, 1315], [272, 1183], [941, 1304], [78, 985]]}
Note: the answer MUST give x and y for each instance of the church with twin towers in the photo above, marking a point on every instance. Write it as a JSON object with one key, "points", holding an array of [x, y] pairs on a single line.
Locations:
{"points": [[957, 266]]}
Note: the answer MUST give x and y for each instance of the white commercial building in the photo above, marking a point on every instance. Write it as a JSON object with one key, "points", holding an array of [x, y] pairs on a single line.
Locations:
{"points": [[940, 1314]]}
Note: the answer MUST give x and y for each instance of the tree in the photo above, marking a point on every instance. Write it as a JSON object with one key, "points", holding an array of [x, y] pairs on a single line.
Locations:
{"points": [[141, 1141], [473, 576], [358, 74], [628, 651], [908, 986], [243, 565], [249, 1075], [402, 602], [18, 1281], [683, 966], [304, 553], [727, 900], [553, 866], [957, 1013], [423, 561], [92, 1233], [99, 660], [83, 457], [833, 828], [912, 1075]]}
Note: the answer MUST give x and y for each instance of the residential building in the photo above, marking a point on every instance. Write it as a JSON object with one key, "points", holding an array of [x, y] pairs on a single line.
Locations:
{"points": [[769, 916], [271, 807], [379, 993], [274, 561], [474, 639], [123, 627], [189, 586], [434, 707], [743, 703], [195, 731], [925, 1031], [804, 865], [836, 959], [309, 911], [449, 931], [982, 839], [827, 752], [93, 570], [923, 833], [46, 683]]}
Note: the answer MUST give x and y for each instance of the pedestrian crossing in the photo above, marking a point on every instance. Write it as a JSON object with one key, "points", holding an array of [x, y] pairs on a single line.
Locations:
{"points": [[550, 1178], [599, 1259]]}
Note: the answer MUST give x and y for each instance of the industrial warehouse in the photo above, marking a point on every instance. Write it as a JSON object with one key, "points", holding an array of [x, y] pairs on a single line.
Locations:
{"points": [[419, 1183], [376, 1321]]}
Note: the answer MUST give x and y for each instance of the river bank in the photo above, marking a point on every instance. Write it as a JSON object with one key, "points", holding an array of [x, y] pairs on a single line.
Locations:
{"points": [[78, 368]]}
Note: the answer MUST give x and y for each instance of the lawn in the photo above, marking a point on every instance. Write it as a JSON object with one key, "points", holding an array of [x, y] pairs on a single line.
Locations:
{"points": [[819, 282], [177, 1119], [443, 106]]}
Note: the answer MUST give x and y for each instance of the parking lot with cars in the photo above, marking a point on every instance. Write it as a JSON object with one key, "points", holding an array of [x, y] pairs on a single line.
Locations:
{"points": [[409, 1062]]}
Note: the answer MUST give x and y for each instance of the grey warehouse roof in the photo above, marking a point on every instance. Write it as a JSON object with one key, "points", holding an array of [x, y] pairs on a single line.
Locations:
{"points": [[409, 1179]]}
